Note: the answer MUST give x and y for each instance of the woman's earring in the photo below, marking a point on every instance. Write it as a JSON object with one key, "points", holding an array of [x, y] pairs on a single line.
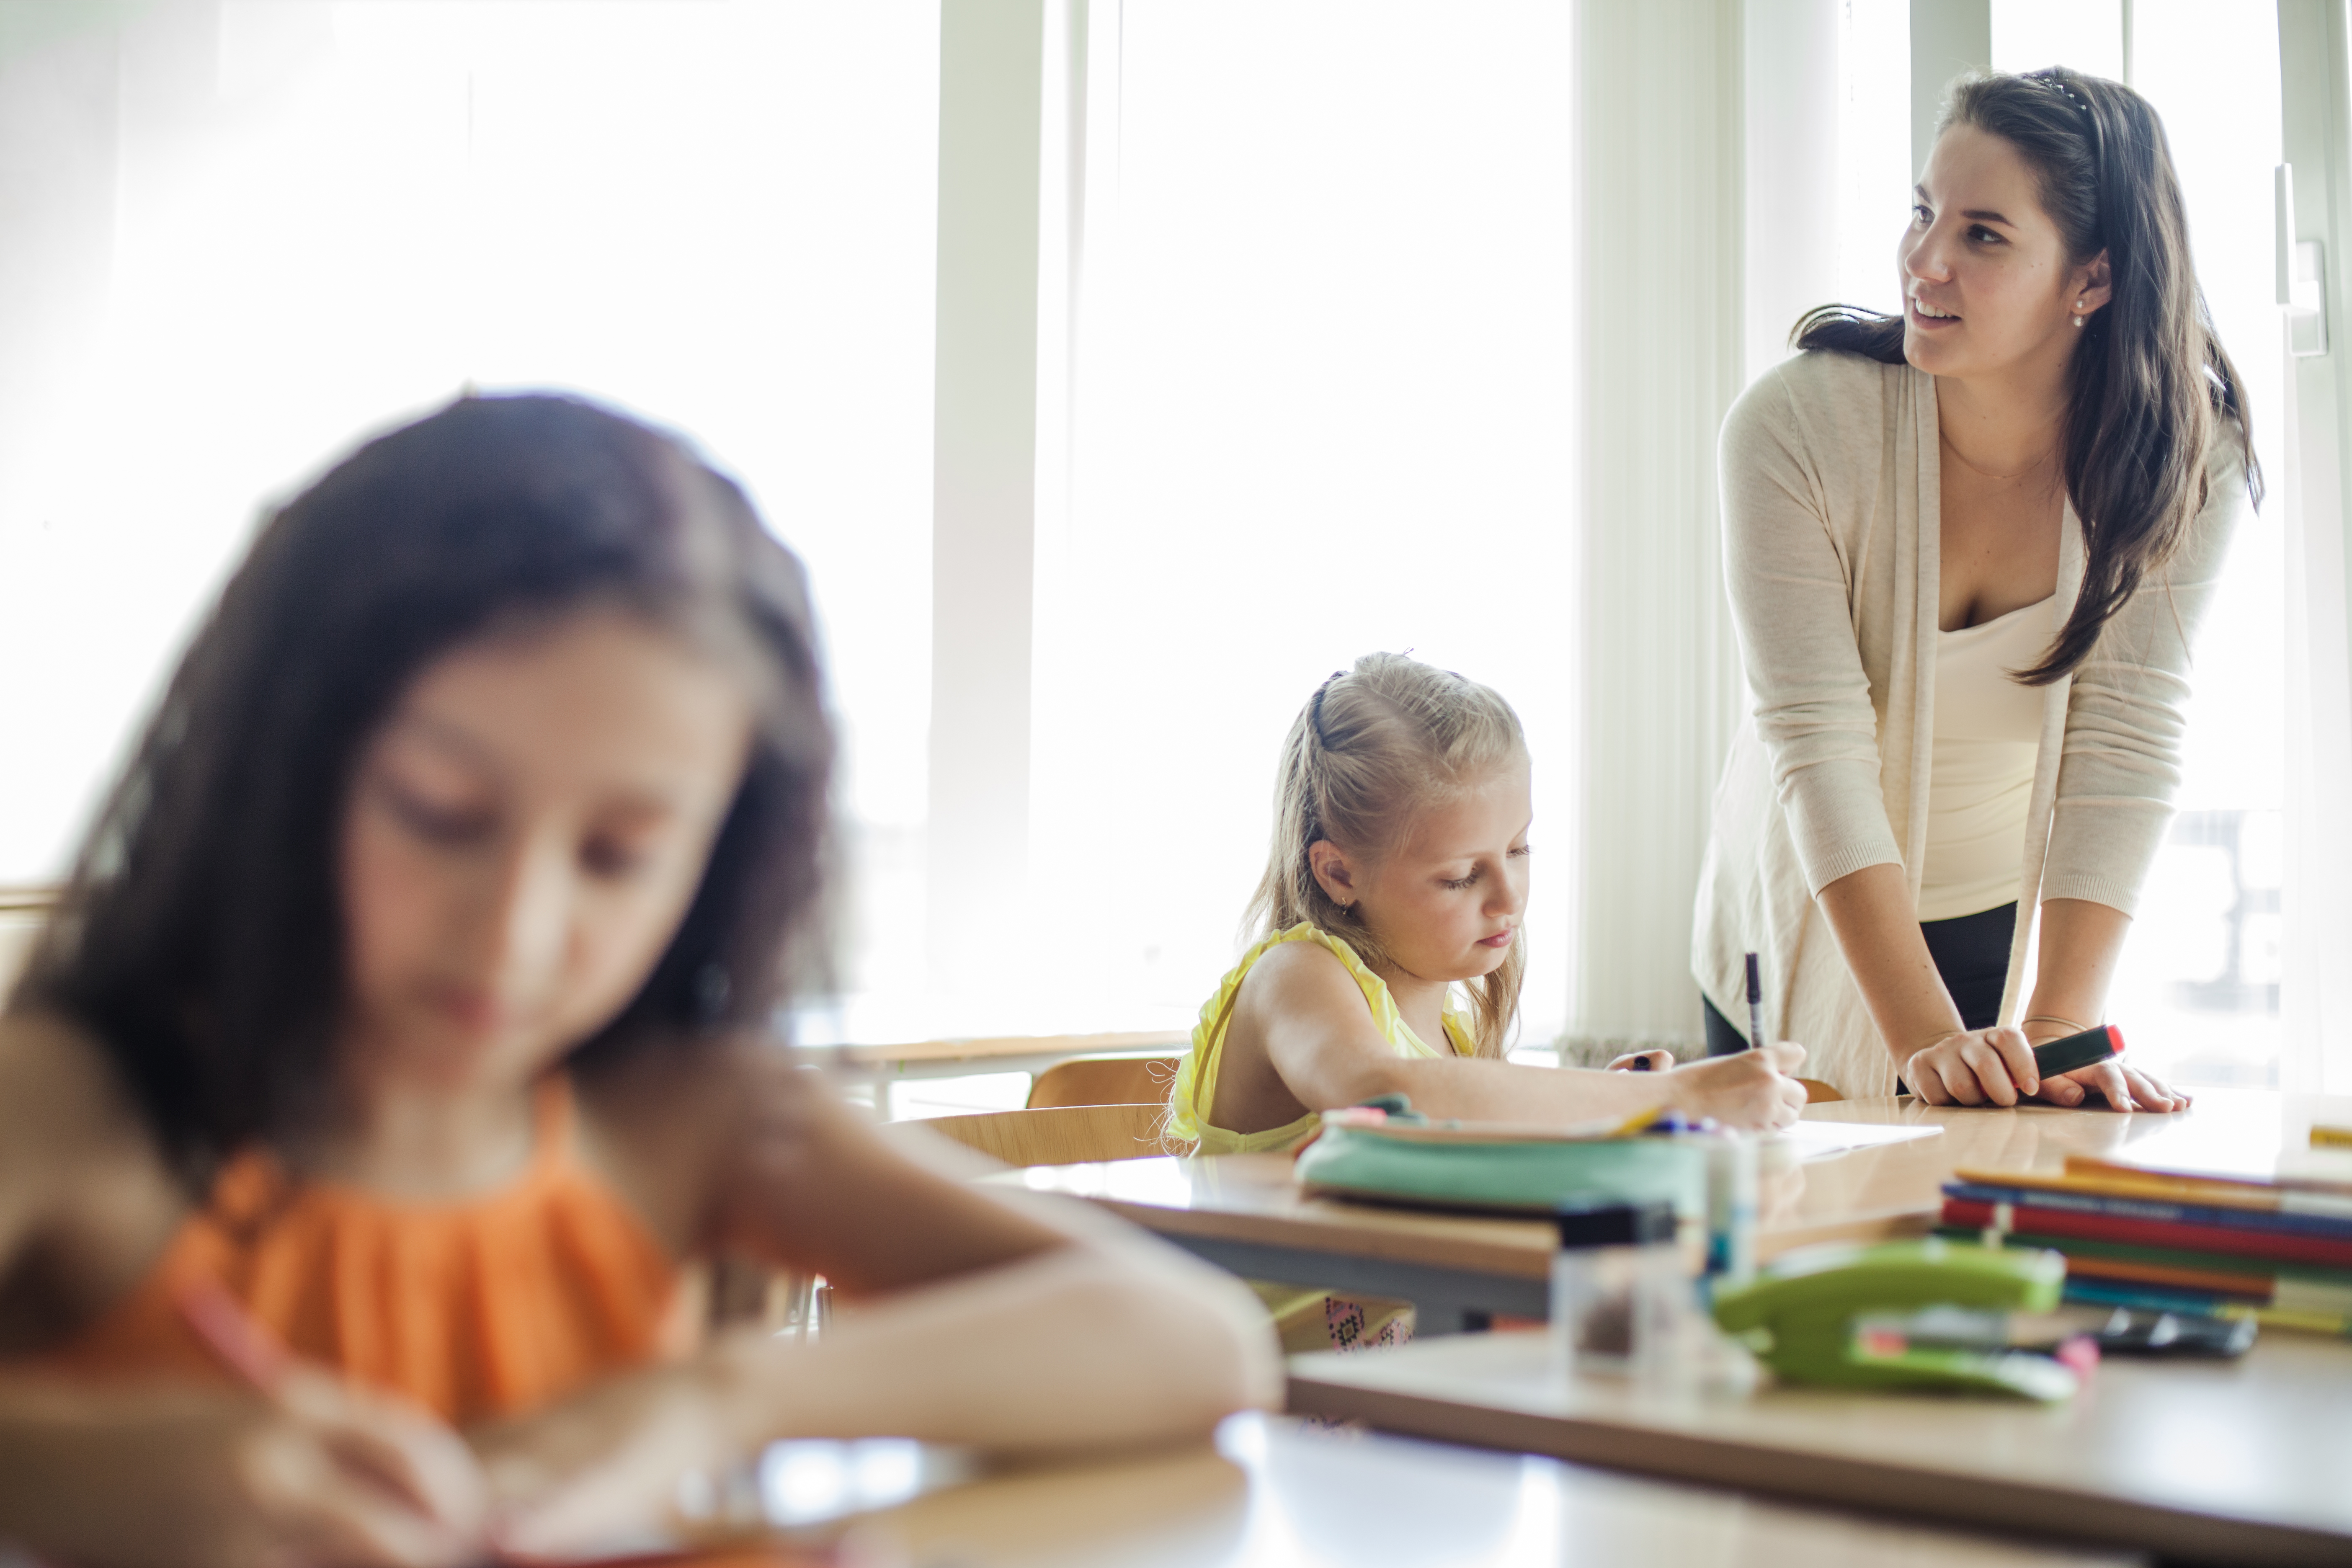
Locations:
{"points": [[2078, 312]]}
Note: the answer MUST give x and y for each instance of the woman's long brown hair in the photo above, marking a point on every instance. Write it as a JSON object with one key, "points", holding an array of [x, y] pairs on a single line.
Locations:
{"points": [[2150, 380]]}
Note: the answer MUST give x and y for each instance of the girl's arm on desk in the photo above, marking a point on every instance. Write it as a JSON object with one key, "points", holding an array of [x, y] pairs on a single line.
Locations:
{"points": [[1310, 1017], [970, 1317]]}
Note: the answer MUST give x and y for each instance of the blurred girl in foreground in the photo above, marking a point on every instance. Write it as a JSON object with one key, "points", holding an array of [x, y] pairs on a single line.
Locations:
{"points": [[409, 997]]}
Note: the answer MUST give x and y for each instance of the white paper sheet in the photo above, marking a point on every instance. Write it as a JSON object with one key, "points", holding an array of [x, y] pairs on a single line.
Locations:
{"points": [[1811, 1140]]}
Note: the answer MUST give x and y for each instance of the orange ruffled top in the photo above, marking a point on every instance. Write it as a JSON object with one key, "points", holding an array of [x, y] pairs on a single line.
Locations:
{"points": [[473, 1309]]}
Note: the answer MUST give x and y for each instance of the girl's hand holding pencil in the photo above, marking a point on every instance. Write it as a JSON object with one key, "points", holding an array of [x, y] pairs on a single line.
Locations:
{"points": [[315, 1470], [1752, 1089]]}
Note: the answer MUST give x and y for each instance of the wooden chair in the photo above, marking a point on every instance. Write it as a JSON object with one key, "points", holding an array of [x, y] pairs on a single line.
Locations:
{"points": [[1060, 1134], [23, 912], [1105, 1080], [1816, 1092]]}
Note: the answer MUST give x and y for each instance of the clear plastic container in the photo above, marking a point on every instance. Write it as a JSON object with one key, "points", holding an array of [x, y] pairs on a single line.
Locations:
{"points": [[1731, 1183], [1619, 1289]]}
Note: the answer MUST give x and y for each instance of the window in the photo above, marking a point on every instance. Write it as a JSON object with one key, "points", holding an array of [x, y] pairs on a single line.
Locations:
{"points": [[2198, 990], [1323, 405], [264, 228]]}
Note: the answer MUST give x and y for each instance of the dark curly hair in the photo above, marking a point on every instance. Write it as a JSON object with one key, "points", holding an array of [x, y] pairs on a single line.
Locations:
{"points": [[200, 937]]}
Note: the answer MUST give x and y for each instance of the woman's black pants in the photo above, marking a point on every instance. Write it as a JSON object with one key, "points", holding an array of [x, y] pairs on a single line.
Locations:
{"points": [[1971, 953]]}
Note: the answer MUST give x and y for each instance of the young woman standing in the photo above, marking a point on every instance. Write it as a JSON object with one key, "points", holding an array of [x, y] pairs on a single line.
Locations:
{"points": [[1967, 549]]}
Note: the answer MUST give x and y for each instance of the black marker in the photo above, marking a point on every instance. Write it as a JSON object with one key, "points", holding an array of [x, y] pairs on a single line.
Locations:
{"points": [[1755, 1005], [2054, 1057]]}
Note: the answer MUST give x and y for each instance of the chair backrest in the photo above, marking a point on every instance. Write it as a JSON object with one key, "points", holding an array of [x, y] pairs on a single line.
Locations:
{"points": [[1816, 1092], [1061, 1134], [1105, 1080], [23, 912]]}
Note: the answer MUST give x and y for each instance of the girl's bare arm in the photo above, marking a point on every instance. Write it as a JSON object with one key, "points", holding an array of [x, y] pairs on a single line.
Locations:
{"points": [[1308, 1014], [972, 1317]]}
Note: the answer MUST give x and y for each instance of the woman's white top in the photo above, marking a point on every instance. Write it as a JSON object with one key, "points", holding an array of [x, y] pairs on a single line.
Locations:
{"points": [[1980, 762], [1831, 523]]}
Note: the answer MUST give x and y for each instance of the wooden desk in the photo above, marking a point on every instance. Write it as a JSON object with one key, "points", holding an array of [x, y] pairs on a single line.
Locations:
{"points": [[1243, 1212], [2246, 1462], [1270, 1493], [955, 1057]]}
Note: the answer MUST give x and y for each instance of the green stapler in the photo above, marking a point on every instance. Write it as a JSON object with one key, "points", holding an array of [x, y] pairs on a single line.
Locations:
{"points": [[1835, 1315]]}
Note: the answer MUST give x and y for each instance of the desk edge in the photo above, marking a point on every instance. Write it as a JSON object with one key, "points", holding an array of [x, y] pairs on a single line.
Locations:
{"points": [[1865, 1485]]}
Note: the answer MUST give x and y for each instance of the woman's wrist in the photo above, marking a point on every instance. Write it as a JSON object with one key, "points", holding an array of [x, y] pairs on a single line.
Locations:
{"points": [[1926, 1032], [2044, 1024]]}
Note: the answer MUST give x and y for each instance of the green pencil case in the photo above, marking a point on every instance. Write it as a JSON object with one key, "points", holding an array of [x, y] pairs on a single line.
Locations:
{"points": [[1458, 1166]]}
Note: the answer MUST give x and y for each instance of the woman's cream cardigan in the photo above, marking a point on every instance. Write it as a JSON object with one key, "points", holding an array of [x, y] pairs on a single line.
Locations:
{"points": [[1831, 515]]}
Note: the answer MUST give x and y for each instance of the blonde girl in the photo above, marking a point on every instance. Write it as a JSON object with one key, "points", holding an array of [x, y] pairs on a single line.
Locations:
{"points": [[1399, 871]]}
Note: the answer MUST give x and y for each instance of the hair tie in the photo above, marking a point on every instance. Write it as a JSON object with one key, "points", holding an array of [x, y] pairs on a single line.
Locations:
{"points": [[1314, 709]]}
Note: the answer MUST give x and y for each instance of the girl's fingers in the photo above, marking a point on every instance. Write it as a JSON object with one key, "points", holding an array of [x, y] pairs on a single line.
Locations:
{"points": [[627, 1490], [430, 1472], [353, 1522], [323, 1512], [404, 1453]]}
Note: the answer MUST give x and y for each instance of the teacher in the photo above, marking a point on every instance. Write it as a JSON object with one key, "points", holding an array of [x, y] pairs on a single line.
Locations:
{"points": [[1966, 548]]}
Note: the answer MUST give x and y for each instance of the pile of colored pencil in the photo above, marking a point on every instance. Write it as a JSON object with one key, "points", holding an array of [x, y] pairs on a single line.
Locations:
{"points": [[2279, 1250]]}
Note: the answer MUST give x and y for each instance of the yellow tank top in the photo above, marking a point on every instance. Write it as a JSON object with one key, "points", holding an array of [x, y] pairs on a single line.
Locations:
{"points": [[1194, 1092]]}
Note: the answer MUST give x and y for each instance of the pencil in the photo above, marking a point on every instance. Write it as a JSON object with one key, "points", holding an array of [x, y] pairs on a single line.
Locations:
{"points": [[1755, 1005], [259, 1358], [236, 1339]]}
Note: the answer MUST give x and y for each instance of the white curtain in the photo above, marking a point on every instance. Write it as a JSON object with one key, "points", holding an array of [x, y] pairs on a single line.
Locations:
{"points": [[1659, 91]]}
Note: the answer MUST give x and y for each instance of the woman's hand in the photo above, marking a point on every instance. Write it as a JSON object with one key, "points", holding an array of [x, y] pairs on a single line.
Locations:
{"points": [[607, 1461], [1643, 1061], [1995, 1067], [1748, 1089], [318, 1474], [2126, 1087], [1974, 1066]]}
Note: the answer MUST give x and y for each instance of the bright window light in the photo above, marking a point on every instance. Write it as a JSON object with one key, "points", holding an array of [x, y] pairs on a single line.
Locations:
{"points": [[2198, 990], [324, 218], [1874, 172], [1324, 406]]}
